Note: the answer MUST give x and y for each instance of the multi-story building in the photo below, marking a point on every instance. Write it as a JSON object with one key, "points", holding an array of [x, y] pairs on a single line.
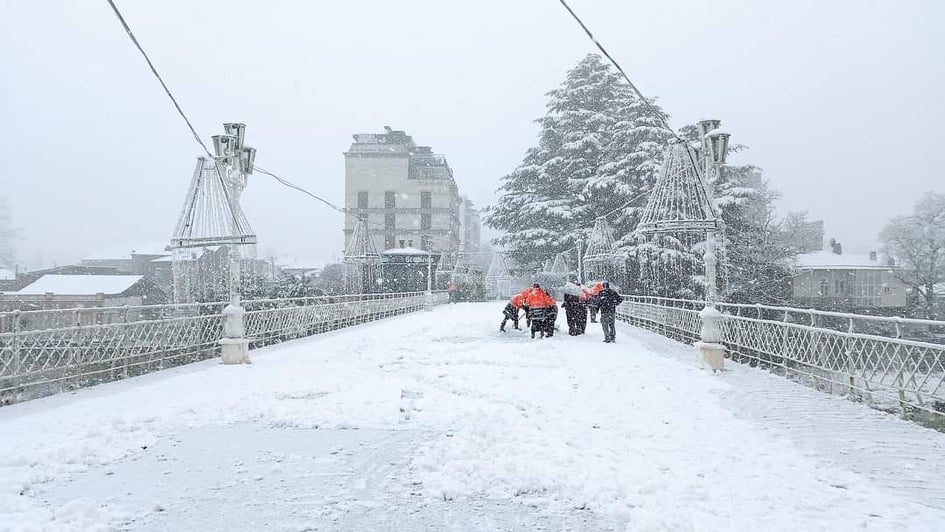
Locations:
{"points": [[405, 192]]}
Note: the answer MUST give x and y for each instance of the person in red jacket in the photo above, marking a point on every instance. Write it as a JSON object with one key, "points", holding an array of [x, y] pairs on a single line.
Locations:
{"points": [[543, 310], [593, 304], [511, 311]]}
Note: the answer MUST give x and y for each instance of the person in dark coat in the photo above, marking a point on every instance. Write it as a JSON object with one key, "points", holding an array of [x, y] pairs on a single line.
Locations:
{"points": [[575, 306], [609, 300]]}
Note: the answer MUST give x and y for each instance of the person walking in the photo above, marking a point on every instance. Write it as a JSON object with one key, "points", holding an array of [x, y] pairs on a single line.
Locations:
{"points": [[511, 311], [451, 290], [575, 306], [609, 299], [593, 303]]}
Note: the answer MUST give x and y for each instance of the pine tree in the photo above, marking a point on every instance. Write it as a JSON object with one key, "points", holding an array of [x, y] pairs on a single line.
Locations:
{"points": [[598, 149]]}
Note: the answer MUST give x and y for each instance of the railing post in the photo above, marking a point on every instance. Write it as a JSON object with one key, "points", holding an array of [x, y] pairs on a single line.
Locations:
{"points": [[849, 352], [17, 362]]}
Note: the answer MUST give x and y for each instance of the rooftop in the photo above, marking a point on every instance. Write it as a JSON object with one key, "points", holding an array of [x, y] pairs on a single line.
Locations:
{"points": [[846, 261], [79, 285], [125, 252]]}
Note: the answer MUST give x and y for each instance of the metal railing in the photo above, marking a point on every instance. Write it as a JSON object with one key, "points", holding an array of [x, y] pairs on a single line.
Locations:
{"points": [[894, 364], [48, 352]]}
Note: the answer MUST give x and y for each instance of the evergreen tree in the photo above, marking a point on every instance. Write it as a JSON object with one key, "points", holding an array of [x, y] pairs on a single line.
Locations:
{"points": [[756, 258], [598, 149], [8, 236]]}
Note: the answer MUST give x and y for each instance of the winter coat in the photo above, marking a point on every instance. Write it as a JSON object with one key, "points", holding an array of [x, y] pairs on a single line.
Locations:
{"points": [[609, 299], [538, 298], [573, 295], [517, 300]]}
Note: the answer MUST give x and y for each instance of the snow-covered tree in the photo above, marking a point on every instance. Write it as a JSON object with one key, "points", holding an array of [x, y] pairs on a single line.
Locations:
{"points": [[757, 259], [8, 237], [598, 149], [918, 243]]}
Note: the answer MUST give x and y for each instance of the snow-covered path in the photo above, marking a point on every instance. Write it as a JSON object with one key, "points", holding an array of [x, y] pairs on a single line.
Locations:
{"points": [[435, 421]]}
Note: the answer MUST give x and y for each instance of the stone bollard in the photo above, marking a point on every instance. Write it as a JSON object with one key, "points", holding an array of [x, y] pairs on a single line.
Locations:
{"points": [[234, 343], [713, 352], [428, 302]]}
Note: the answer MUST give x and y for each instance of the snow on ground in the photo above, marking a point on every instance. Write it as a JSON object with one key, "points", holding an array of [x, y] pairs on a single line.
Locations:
{"points": [[436, 421]]}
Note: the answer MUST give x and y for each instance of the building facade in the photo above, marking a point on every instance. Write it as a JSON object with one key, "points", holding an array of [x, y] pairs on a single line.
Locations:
{"points": [[471, 233], [848, 282], [405, 192]]}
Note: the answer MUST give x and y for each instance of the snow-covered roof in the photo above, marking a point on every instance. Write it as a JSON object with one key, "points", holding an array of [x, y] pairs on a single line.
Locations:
{"points": [[404, 251], [74, 285], [125, 252], [822, 260], [7, 275], [291, 263]]}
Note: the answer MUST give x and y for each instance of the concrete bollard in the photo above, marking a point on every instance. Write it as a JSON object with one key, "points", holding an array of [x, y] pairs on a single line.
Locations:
{"points": [[235, 346], [710, 345]]}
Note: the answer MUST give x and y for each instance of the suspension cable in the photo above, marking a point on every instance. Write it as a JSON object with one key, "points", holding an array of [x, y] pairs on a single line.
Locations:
{"points": [[633, 86], [180, 111]]}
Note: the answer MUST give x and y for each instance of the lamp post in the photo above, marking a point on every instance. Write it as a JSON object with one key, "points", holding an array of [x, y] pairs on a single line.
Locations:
{"points": [[714, 150], [234, 162]]}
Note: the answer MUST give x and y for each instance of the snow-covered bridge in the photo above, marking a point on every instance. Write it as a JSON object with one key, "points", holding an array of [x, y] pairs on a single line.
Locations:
{"points": [[436, 421]]}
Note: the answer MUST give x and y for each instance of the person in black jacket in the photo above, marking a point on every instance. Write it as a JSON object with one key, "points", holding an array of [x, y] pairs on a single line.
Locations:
{"points": [[575, 306], [609, 299]]}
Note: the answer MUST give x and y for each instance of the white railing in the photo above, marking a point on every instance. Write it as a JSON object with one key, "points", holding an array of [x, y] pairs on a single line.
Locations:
{"points": [[894, 364], [48, 352]]}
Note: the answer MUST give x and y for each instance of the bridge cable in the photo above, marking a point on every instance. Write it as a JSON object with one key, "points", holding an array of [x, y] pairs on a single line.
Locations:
{"points": [[193, 130], [639, 94]]}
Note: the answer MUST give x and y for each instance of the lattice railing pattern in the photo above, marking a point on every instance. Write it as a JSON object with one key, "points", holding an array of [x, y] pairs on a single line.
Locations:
{"points": [[895, 364], [48, 352]]}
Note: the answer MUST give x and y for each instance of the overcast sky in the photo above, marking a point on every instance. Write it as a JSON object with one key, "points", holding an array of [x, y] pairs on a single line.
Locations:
{"points": [[840, 102]]}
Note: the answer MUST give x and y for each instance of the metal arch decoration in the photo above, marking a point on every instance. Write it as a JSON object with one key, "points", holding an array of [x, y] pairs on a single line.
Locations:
{"points": [[498, 278], [680, 201], [362, 261], [212, 218], [601, 260]]}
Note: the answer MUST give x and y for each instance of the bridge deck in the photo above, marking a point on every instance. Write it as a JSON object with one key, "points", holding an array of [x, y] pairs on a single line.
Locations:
{"points": [[435, 421]]}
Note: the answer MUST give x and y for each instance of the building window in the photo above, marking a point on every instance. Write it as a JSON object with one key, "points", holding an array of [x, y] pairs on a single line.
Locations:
{"points": [[390, 222], [426, 243], [426, 220], [389, 242], [426, 200], [824, 288], [410, 243], [401, 243], [362, 199], [839, 287], [390, 199]]}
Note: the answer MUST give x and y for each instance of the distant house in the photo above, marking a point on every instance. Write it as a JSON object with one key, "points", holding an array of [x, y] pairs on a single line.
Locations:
{"points": [[61, 291], [848, 282]]}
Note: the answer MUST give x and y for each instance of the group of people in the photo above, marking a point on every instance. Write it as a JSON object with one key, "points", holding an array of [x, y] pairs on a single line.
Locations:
{"points": [[541, 309]]}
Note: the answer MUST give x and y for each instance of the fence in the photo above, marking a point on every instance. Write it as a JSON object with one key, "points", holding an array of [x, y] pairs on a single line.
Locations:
{"points": [[48, 352], [893, 364]]}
